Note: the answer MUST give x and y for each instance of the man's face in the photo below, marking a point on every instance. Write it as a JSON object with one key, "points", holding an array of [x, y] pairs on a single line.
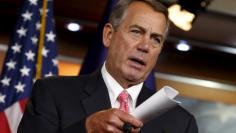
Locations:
{"points": [[134, 46]]}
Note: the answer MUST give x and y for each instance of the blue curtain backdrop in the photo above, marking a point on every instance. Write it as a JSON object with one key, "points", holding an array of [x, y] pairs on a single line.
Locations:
{"points": [[97, 52]]}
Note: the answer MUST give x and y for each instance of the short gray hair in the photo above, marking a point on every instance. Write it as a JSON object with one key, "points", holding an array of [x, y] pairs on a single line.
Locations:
{"points": [[122, 5]]}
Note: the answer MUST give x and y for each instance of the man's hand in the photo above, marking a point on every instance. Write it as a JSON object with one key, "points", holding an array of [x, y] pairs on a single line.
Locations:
{"points": [[111, 121]]}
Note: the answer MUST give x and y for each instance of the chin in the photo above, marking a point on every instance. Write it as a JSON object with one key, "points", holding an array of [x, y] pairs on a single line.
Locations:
{"points": [[134, 77]]}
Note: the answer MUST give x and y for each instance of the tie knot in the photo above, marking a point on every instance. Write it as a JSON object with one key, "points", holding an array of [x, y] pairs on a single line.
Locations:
{"points": [[123, 97]]}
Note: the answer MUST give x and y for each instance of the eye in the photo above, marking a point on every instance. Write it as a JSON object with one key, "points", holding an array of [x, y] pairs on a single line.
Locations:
{"points": [[136, 31], [157, 40]]}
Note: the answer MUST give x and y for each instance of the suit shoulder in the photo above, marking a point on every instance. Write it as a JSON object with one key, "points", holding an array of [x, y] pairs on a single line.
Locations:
{"points": [[66, 79], [63, 79], [61, 83], [180, 113]]}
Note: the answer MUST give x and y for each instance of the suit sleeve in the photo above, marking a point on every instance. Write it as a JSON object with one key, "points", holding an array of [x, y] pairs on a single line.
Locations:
{"points": [[41, 114], [192, 126]]}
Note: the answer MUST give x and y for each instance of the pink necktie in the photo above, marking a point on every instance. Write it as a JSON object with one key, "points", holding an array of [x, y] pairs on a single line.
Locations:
{"points": [[123, 99]]}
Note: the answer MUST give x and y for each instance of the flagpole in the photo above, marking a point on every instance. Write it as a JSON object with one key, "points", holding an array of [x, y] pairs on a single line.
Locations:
{"points": [[41, 40]]}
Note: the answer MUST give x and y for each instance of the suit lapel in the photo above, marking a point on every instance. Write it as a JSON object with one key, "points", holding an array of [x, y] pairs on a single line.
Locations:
{"points": [[144, 94], [97, 94], [98, 97]]}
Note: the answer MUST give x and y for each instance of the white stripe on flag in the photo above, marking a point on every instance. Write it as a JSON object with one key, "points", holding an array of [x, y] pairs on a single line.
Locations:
{"points": [[14, 115]]}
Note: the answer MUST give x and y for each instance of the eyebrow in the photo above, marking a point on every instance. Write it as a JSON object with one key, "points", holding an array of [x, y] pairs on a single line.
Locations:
{"points": [[139, 27], [144, 30]]}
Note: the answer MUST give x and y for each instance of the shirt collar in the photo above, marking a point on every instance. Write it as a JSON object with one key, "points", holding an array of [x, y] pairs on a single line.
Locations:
{"points": [[114, 88]]}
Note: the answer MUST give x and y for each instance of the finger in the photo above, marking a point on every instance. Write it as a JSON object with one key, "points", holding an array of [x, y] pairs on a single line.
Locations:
{"points": [[116, 121], [112, 129], [135, 130], [127, 118]]}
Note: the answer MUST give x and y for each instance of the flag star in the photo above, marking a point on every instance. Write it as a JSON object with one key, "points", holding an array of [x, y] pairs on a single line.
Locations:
{"points": [[55, 62], [16, 48], [6, 81], [19, 87], [34, 40], [30, 55], [33, 2], [49, 74], [41, 11], [38, 25], [22, 32], [51, 36], [11, 64], [2, 98], [45, 52], [24, 71], [27, 15]]}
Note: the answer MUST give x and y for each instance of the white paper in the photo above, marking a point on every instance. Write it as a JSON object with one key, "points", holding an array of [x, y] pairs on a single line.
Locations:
{"points": [[157, 104]]}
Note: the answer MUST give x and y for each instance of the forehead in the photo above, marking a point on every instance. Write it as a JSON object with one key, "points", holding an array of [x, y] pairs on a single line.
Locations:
{"points": [[142, 14]]}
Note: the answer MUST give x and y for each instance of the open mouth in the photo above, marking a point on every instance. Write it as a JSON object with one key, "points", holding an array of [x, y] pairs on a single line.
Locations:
{"points": [[138, 61]]}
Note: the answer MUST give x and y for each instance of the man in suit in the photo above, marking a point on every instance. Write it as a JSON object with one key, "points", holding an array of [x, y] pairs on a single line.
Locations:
{"points": [[134, 37]]}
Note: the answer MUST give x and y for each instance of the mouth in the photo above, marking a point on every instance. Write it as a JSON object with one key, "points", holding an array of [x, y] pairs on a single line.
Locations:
{"points": [[138, 61]]}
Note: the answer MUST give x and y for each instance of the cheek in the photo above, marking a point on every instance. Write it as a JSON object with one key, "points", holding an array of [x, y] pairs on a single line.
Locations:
{"points": [[119, 52], [123, 47], [153, 58]]}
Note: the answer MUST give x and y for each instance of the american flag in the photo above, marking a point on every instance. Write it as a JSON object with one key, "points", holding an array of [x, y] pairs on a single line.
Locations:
{"points": [[19, 69]]}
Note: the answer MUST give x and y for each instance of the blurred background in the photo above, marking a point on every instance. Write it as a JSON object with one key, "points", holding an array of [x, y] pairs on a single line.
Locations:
{"points": [[199, 61]]}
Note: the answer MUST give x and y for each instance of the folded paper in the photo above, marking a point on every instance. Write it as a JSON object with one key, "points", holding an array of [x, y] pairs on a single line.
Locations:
{"points": [[157, 104]]}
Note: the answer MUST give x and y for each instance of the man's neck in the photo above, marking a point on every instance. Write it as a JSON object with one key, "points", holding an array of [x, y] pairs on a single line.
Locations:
{"points": [[123, 82]]}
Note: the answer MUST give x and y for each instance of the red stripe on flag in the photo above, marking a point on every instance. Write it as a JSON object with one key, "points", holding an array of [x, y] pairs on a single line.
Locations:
{"points": [[23, 103], [4, 124]]}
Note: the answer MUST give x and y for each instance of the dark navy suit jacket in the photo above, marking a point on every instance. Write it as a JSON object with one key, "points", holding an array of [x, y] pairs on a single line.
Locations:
{"points": [[61, 105]]}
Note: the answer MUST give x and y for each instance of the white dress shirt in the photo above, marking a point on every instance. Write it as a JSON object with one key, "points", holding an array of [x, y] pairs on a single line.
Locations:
{"points": [[114, 90]]}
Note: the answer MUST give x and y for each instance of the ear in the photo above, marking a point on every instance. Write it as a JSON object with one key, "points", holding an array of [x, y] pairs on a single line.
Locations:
{"points": [[107, 34]]}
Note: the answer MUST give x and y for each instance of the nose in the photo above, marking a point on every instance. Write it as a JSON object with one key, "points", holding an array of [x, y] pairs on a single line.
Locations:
{"points": [[143, 45]]}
